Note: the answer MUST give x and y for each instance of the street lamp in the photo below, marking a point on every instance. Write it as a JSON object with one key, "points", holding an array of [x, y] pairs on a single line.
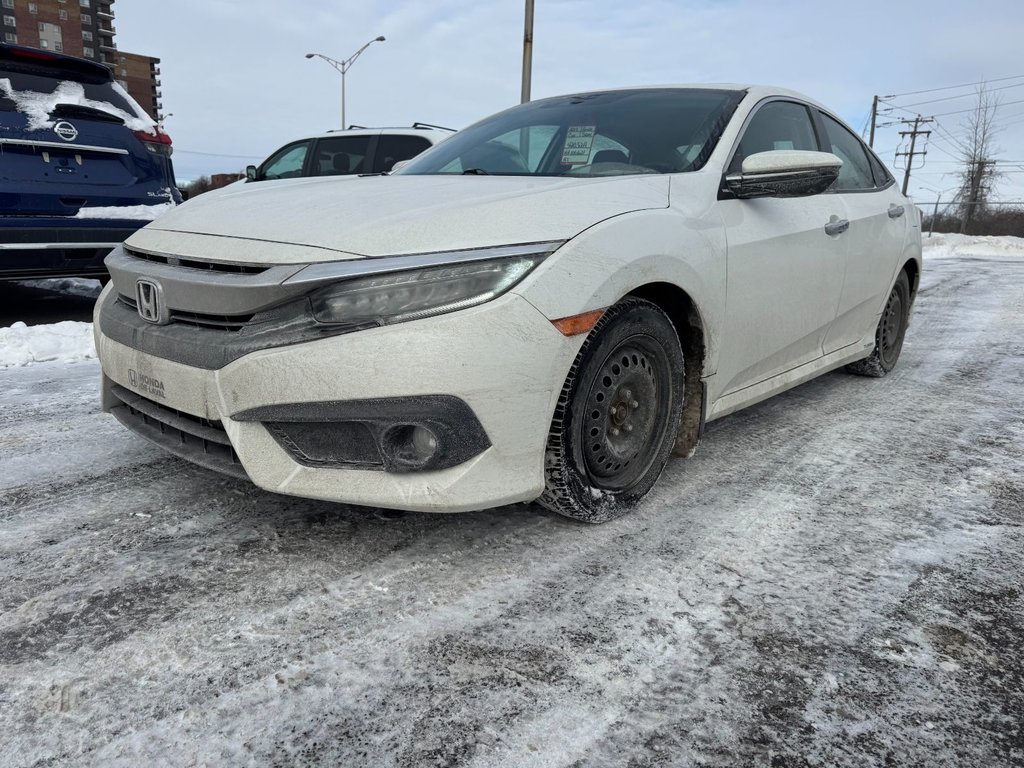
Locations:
{"points": [[343, 67]]}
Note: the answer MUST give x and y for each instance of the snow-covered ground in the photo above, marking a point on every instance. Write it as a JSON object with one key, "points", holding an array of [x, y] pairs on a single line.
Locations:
{"points": [[834, 579], [64, 342]]}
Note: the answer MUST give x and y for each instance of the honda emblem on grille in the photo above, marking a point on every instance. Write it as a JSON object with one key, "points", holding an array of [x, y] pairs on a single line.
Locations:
{"points": [[150, 302]]}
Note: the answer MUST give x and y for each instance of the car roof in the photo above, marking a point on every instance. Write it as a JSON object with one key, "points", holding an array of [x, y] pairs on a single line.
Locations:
{"points": [[757, 91], [62, 61], [424, 130]]}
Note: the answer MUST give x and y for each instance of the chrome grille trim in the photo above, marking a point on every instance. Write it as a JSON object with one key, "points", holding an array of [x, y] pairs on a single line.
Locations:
{"points": [[66, 146], [198, 319]]}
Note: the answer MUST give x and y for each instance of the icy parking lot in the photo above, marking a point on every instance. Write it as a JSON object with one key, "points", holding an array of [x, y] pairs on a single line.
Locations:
{"points": [[835, 579]]}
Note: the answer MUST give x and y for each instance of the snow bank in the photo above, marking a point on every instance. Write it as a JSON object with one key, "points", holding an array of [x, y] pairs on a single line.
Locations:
{"points": [[136, 212], [954, 246], [64, 342]]}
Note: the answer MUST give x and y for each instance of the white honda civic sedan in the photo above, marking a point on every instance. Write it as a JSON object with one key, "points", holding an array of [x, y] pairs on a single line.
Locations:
{"points": [[544, 307]]}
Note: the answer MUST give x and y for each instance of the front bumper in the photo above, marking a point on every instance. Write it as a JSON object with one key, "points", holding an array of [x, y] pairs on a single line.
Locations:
{"points": [[503, 359]]}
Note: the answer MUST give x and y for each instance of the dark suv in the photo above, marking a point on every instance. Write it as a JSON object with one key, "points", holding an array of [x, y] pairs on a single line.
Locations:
{"points": [[81, 165]]}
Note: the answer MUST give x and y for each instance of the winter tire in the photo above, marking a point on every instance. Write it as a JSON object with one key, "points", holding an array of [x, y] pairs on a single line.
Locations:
{"points": [[889, 335], [617, 415]]}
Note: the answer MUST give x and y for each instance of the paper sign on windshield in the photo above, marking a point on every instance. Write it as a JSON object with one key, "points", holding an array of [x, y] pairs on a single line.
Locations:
{"points": [[579, 140]]}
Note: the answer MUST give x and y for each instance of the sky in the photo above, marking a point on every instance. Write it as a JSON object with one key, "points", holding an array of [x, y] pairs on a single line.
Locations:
{"points": [[237, 85]]}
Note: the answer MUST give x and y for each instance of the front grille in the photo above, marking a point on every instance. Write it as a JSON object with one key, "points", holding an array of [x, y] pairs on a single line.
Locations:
{"points": [[195, 439], [231, 323], [209, 266]]}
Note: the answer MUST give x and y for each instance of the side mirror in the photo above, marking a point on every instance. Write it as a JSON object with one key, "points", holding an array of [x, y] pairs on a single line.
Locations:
{"points": [[184, 193], [250, 173], [784, 173], [400, 164]]}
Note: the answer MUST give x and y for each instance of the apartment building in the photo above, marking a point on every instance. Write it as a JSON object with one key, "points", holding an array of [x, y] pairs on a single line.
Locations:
{"points": [[83, 28]]}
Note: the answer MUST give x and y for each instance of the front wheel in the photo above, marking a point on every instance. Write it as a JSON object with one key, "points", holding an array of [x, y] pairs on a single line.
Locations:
{"points": [[889, 335], [617, 415]]}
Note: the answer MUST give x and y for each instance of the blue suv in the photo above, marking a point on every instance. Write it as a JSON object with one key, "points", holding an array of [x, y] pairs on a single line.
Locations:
{"points": [[81, 165]]}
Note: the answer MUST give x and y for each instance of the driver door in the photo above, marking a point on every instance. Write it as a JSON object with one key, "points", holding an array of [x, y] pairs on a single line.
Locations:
{"points": [[785, 274]]}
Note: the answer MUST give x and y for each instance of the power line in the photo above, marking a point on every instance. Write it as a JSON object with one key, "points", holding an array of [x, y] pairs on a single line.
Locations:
{"points": [[950, 137], [217, 154], [951, 98], [974, 109], [939, 147], [951, 87]]}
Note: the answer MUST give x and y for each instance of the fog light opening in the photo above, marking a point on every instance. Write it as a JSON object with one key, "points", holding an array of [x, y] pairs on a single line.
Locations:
{"points": [[411, 446]]}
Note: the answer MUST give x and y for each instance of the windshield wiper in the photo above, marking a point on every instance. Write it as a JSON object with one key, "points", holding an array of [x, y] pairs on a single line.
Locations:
{"points": [[83, 111], [476, 172]]}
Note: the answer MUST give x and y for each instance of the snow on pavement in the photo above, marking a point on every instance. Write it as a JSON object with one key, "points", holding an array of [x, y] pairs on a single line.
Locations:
{"points": [[834, 579], [63, 342]]}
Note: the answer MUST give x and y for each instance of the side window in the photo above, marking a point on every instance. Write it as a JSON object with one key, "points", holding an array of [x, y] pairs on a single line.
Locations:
{"points": [[286, 163], [391, 149], [776, 125], [341, 156], [856, 170], [882, 176]]}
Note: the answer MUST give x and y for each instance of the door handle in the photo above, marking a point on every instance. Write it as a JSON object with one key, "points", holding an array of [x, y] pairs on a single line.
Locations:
{"points": [[895, 211], [837, 227]]}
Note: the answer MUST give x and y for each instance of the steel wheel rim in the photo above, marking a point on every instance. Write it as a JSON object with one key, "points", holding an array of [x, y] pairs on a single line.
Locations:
{"points": [[891, 326], [626, 413]]}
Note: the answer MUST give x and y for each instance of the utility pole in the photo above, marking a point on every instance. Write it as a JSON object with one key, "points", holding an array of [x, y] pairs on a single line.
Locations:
{"points": [[913, 134], [874, 119], [527, 52]]}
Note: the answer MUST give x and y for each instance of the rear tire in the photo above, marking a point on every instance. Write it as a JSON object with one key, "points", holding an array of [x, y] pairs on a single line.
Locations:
{"points": [[889, 335], [617, 416]]}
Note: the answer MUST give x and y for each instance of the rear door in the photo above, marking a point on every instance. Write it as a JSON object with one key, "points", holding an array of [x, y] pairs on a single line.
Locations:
{"points": [[342, 155], [391, 148], [878, 221], [67, 139]]}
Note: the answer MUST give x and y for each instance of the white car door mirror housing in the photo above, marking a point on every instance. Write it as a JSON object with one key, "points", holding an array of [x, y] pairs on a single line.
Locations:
{"points": [[250, 173], [784, 173]]}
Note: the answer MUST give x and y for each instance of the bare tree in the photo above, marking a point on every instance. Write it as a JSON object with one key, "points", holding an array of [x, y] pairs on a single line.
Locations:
{"points": [[979, 176], [198, 186]]}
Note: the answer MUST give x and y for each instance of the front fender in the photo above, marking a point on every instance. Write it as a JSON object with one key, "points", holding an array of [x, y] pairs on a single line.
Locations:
{"points": [[615, 257]]}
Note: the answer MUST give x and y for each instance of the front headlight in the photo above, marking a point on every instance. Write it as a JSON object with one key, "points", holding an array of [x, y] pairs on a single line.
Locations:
{"points": [[392, 298]]}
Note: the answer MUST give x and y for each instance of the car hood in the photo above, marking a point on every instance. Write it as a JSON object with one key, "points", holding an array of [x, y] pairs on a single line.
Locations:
{"points": [[350, 217]]}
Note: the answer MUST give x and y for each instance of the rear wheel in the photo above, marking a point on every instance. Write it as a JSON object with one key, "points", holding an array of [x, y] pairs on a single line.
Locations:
{"points": [[617, 416], [889, 335]]}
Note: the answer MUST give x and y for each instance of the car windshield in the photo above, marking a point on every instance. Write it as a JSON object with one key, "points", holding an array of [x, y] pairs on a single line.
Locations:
{"points": [[611, 133]]}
